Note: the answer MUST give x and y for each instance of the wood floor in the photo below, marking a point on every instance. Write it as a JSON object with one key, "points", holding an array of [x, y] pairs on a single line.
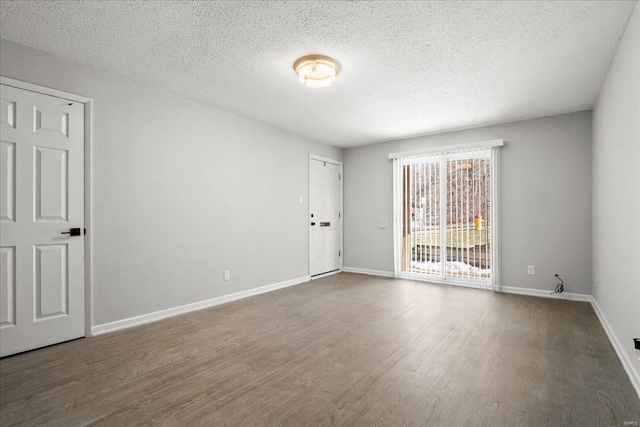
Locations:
{"points": [[343, 350]]}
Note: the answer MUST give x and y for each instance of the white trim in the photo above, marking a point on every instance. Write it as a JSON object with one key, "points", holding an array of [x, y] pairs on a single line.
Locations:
{"points": [[368, 272], [495, 220], [170, 312], [397, 209], [325, 159], [88, 203], [628, 365], [340, 220], [447, 148], [545, 294], [88, 216], [330, 273], [43, 90]]}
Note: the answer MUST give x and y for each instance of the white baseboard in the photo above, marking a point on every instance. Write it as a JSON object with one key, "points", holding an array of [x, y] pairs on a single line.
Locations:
{"points": [[545, 294], [368, 272], [170, 312], [628, 365]]}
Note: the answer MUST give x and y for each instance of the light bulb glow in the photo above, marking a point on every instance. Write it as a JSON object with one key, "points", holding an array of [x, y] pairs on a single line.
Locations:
{"points": [[316, 71], [318, 83]]}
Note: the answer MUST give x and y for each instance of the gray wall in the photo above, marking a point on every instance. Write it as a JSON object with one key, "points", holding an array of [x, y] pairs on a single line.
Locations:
{"points": [[545, 199], [181, 191], [616, 195]]}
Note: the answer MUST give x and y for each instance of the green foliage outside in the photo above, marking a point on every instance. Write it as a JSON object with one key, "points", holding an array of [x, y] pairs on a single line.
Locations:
{"points": [[457, 237]]}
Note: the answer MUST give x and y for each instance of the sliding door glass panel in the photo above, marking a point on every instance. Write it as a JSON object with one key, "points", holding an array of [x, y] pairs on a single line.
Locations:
{"points": [[468, 220], [445, 217]]}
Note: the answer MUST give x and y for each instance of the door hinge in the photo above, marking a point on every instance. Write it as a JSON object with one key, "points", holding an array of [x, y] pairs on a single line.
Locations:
{"points": [[339, 177], [339, 215], [339, 253]]}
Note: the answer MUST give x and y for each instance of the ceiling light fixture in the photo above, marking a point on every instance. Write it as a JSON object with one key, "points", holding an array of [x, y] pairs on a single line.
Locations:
{"points": [[316, 70]]}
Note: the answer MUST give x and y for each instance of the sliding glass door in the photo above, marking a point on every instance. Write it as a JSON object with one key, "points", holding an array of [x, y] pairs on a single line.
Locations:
{"points": [[444, 216]]}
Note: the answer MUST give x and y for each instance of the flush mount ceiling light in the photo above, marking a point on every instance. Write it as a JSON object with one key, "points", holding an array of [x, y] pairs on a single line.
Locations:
{"points": [[316, 70]]}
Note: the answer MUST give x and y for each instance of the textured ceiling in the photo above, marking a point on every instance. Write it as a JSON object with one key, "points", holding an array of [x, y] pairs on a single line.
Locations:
{"points": [[408, 68]]}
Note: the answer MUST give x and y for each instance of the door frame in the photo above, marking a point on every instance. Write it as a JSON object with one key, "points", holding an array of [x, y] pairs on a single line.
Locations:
{"points": [[339, 163], [88, 245], [496, 235]]}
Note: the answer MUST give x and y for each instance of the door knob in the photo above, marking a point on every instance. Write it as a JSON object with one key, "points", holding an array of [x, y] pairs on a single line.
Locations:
{"points": [[74, 232], [313, 223]]}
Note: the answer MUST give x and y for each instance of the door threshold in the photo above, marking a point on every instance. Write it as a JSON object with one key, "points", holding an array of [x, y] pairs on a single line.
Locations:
{"points": [[328, 273]]}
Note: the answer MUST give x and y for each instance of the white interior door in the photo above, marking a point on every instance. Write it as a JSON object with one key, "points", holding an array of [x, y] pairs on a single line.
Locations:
{"points": [[325, 222], [41, 197]]}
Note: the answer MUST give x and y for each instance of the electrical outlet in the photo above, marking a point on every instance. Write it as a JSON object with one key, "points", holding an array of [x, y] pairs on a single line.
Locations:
{"points": [[595, 282], [531, 269], [227, 274], [301, 199]]}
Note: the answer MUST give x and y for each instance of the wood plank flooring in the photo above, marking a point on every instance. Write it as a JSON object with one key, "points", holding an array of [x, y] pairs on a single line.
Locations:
{"points": [[344, 350]]}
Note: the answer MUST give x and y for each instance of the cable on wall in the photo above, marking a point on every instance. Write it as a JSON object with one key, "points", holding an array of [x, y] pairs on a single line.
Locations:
{"points": [[559, 286]]}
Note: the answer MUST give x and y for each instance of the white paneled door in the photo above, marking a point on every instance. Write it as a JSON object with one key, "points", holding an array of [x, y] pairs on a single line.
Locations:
{"points": [[41, 199], [325, 218]]}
